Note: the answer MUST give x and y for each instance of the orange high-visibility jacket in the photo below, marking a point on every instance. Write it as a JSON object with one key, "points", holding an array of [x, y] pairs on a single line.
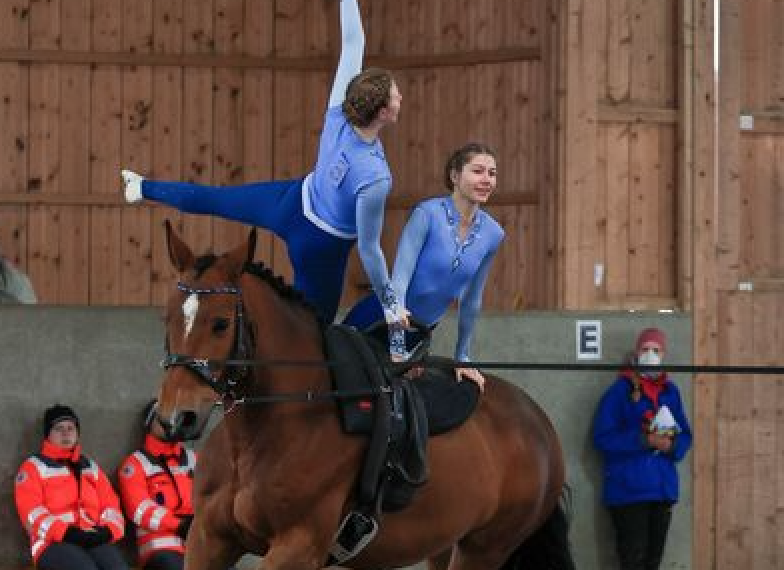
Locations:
{"points": [[156, 483], [49, 498]]}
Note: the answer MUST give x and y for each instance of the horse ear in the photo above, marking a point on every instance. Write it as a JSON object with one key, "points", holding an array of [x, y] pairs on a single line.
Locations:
{"points": [[241, 255], [179, 253]]}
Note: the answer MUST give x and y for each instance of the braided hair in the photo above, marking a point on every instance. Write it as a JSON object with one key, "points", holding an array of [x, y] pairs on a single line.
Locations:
{"points": [[367, 93]]}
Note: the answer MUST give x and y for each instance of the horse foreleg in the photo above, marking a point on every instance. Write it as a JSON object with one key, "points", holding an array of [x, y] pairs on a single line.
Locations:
{"points": [[476, 559], [207, 551], [294, 550], [440, 561]]}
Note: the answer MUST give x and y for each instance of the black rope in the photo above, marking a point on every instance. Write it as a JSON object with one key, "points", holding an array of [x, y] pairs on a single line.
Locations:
{"points": [[494, 365]]}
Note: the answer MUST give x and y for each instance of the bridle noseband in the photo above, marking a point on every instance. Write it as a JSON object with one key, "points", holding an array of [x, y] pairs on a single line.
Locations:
{"points": [[227, 385]]}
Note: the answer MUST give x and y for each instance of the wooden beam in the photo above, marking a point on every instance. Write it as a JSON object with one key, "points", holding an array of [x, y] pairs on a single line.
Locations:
{"points": [[761, 122], [761, 284], [57, 199], [638, 303], [630, 113], [232, 61]]}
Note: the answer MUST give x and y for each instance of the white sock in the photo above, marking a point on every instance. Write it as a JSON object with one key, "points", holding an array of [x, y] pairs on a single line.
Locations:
{"points": [[133, 186]]}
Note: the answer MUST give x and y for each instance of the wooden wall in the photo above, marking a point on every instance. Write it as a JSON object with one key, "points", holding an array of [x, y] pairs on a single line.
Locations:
{"points": [[605, 118], [227, 91], [616, 195], [746, 446]]}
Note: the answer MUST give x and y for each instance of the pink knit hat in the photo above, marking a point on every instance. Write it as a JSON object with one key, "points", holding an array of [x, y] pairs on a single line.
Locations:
{"points": [[652, 335]]}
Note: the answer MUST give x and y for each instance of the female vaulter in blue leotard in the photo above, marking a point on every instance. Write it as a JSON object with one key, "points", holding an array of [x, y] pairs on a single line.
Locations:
{"points": [[339, 203], [444, 254]]}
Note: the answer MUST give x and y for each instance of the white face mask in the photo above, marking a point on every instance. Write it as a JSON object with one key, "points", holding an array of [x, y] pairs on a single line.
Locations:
{"points": [[649, 358]]}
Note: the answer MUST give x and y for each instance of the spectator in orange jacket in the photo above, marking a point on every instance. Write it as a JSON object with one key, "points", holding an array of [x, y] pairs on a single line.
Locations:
{"points": [[156, 484], [66, 503]]}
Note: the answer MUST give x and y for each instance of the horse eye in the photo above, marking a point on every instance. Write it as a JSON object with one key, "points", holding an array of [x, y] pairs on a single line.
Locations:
{"points": [[220, 325]]}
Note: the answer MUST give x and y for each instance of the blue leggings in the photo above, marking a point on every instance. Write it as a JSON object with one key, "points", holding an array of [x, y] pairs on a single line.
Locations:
{"points": [[319, 259]]}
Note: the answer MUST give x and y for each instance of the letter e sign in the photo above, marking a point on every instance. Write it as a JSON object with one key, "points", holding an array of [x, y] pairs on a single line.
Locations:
{"points": [[589, 340]]}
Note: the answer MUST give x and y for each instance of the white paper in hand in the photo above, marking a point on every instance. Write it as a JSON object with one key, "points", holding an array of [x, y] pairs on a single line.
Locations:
{"points": [[664, 423]]}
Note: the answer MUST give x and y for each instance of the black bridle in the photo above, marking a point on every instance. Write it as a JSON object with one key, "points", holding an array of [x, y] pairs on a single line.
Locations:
{"points": [[228, 383]]}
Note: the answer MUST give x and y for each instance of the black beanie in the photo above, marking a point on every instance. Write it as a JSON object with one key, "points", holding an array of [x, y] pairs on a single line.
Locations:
{"points": [[58, 413]]}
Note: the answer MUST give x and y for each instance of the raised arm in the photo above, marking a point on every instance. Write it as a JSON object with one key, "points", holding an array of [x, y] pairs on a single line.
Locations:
{"points": [[352, 49]]}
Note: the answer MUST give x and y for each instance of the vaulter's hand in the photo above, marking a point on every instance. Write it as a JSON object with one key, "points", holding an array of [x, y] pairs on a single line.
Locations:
{"points": [[471, 374]]}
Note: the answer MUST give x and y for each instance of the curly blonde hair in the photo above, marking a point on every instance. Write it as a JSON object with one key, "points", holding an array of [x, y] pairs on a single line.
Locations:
{"points": [[367, 93]]}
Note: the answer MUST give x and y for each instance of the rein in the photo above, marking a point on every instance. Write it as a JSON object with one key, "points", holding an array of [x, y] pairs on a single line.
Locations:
{"points": [[237, 367]]}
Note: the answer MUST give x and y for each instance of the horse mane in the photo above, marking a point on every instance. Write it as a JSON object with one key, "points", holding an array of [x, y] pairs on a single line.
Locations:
{"points": [[265, 274]]}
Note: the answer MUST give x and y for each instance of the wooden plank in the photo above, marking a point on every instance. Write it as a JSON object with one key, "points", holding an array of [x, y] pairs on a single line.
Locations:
{"points": [[44, 162], [616, 150], [730, 166], [75, 154], [167, 138], [735, 439], [508, 274], [197, 116], [106, 126], [764, 399], [669, 43], [776, 71], [776, 316], [579, 174], [610, 112], [136, 154], [290, 105], [14, 137], [292, 63], [645, 51], [699, 248], [757, 39], [228, 125], [762, 215], [618, 50], [14, 111], [777, 209], [644, 212], [667, 181], [13, 236], [685, 133]]}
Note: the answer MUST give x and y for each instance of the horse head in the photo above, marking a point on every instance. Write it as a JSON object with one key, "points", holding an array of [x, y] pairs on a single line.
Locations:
{"points": [[205, 327]]}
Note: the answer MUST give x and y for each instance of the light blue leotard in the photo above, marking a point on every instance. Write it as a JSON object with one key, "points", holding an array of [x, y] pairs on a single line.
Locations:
{"points": [[434, 267], [321, 216]]}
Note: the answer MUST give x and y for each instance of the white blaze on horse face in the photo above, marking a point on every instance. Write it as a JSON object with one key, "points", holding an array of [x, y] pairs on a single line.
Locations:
{"points": [[189, 310]]}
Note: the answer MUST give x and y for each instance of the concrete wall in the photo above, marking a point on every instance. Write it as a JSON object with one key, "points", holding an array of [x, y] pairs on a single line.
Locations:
{"points": [[104, 362]]}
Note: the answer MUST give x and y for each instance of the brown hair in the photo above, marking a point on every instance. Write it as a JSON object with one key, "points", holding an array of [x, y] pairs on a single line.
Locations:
{"points": [[367, 93], [461, 157]]}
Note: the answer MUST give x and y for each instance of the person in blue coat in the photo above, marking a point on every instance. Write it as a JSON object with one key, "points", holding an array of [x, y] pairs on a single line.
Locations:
{"points": [[444, 255], [642, 431], [340, 202]]}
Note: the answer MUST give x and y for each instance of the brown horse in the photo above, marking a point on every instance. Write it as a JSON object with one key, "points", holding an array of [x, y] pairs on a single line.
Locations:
{"points": [[276, 479]]}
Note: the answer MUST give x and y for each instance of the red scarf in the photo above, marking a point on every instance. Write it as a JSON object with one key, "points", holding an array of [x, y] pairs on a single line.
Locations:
{"points": [[652, 387]]}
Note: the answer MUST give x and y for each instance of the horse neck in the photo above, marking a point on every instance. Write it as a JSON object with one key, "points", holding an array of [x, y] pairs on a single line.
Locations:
{"points": [[284, 331]]}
